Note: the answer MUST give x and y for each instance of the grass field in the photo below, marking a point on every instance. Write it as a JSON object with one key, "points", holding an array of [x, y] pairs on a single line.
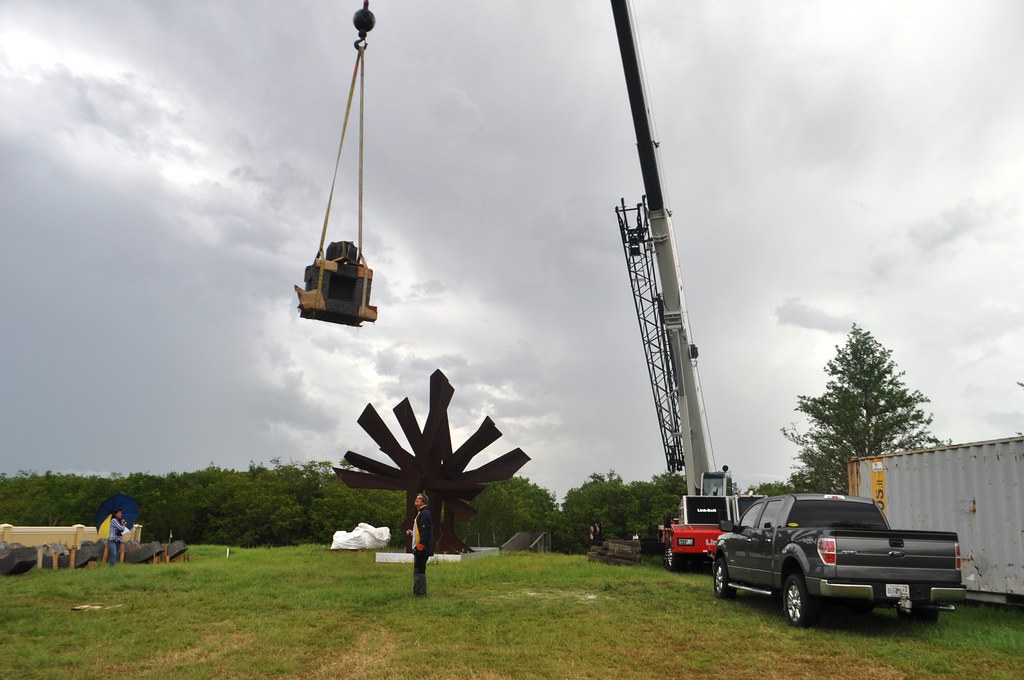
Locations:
{"points": [[312, 613]]}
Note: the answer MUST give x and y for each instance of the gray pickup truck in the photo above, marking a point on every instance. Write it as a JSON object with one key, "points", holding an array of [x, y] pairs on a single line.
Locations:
{"points": [[818, 549]]}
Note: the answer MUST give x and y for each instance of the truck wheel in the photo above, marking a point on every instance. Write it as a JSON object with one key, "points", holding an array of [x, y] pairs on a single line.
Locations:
{"points": [[671, 561], [802, 610], [723, 591]]}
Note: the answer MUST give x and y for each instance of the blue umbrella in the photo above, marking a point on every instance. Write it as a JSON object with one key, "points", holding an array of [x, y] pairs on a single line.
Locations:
{"points": [[129, 508]]}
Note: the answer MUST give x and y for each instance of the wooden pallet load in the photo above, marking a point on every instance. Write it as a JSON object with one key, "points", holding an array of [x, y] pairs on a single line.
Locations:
{"points": [[617, 552]]}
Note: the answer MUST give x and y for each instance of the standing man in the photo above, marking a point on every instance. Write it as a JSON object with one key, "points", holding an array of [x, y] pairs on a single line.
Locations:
{"points": [[117, 527], [422, 544]]}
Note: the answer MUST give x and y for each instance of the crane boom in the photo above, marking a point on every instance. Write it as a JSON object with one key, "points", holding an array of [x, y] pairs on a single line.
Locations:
{"points": [[680, 374]]}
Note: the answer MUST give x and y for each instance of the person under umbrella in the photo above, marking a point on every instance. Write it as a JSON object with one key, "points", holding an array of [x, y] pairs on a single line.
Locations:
{"points": [[129, 508], [114, 539]]}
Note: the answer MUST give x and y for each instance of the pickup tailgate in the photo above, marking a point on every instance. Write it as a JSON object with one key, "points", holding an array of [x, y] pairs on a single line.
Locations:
{"points": [[896, 557]]}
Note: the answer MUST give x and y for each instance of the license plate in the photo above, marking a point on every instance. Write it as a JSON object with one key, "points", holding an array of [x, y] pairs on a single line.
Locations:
{"points": [[897, 590]]}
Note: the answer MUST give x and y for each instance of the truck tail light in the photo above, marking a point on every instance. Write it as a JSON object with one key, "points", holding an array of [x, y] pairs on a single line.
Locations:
{"points": [[956, 548], [827, 550]]}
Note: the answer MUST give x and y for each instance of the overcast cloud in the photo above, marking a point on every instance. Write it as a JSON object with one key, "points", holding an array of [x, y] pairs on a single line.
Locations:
{"points": [[166, 169]]}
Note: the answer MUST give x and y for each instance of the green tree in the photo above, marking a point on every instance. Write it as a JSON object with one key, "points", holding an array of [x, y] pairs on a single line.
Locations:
{"points": [[623, 510], [601, 498], [650, 501], [866, 410], [53, 499], [771, 488], [341, 508], [158, 508], [505, 508]]}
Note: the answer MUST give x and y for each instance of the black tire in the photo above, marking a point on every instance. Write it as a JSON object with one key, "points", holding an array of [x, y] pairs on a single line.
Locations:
{"points": [[720, 579], [802, 609]]}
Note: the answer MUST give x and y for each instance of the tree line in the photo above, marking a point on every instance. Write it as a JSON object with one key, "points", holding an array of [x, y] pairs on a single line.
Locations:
{"points": [[291, 504]]}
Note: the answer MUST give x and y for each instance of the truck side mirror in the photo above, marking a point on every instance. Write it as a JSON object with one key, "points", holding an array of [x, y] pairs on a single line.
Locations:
{"points": [[725, 525]]}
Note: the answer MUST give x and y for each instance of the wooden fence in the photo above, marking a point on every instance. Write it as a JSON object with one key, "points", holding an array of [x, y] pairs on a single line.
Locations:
{"points": [[69, 537]]}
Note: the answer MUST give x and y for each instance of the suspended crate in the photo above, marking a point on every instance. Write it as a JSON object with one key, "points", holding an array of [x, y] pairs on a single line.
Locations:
{"points": [[343, 296], [337, 284]]}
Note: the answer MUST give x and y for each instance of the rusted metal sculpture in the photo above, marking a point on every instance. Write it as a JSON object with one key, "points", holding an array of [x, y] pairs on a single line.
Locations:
{"points": [[432, 466]]}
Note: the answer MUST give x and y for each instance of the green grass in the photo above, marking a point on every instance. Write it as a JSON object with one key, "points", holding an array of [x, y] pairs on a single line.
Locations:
{"points": [[312, 613]]}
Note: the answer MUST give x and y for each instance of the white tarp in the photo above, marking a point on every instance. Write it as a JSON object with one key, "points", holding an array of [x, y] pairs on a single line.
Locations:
{"points": [[362, 537]]}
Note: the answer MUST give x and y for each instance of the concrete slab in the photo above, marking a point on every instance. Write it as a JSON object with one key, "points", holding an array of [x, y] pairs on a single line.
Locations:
{"points": [[406, 558]]}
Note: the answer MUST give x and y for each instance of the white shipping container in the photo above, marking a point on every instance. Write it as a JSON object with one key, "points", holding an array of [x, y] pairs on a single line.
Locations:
{"points": [[976, 490]]}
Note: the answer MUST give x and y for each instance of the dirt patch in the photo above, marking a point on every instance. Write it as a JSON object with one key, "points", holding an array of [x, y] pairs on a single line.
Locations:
{"points": [[369, 656], [563, 595]]}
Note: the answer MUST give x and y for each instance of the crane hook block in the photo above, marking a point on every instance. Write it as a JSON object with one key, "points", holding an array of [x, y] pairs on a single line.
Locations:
{"points": [[364, 20], [345, 294]]}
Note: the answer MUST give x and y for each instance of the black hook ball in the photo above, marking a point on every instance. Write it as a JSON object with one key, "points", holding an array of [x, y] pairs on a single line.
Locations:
{"points": [[364, 21]]}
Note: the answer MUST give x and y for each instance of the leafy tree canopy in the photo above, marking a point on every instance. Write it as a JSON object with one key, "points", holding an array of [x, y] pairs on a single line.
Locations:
{"points": [[504, 509], [866, 410], [622, 509], [771, 489]]}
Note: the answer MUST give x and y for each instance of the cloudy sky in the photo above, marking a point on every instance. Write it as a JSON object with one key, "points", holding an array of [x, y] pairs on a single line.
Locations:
{"points": [[166, 168]]}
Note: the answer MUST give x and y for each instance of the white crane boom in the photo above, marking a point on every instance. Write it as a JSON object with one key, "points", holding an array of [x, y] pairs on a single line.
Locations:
{"points": [[681, 350]]}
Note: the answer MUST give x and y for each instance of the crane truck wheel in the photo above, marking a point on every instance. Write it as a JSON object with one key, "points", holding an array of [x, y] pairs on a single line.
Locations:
{"points": [[723, 591]]}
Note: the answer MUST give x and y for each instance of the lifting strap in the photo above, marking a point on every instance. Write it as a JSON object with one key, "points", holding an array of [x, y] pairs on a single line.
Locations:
{"points": [[362, 100], [360, 70]]}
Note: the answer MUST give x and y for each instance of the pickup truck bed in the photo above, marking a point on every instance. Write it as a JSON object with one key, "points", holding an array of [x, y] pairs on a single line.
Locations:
{"points": [[823, 549]]}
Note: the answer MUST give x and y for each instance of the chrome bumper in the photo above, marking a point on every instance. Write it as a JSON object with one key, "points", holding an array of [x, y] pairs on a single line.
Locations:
{"points": [[851, 591], [864, 591]]}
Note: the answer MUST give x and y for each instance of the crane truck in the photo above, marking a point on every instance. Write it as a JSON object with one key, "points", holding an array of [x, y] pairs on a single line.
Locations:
{"points": [[648, 242]]}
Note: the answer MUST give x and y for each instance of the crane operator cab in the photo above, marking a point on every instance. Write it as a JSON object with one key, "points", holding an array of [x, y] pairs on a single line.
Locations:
{"points": [[716, 483]]}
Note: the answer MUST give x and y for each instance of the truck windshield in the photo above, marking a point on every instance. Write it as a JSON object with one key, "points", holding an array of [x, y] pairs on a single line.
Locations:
{"points": [[713, 485], [829, 513]]}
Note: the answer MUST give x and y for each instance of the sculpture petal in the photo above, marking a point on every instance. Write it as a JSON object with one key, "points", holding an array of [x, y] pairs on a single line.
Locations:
{"points": [[374, 425]]}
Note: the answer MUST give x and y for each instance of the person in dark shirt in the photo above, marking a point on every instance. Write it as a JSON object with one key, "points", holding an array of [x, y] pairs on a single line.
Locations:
{"points": [[114, 538], [423, 545]]}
